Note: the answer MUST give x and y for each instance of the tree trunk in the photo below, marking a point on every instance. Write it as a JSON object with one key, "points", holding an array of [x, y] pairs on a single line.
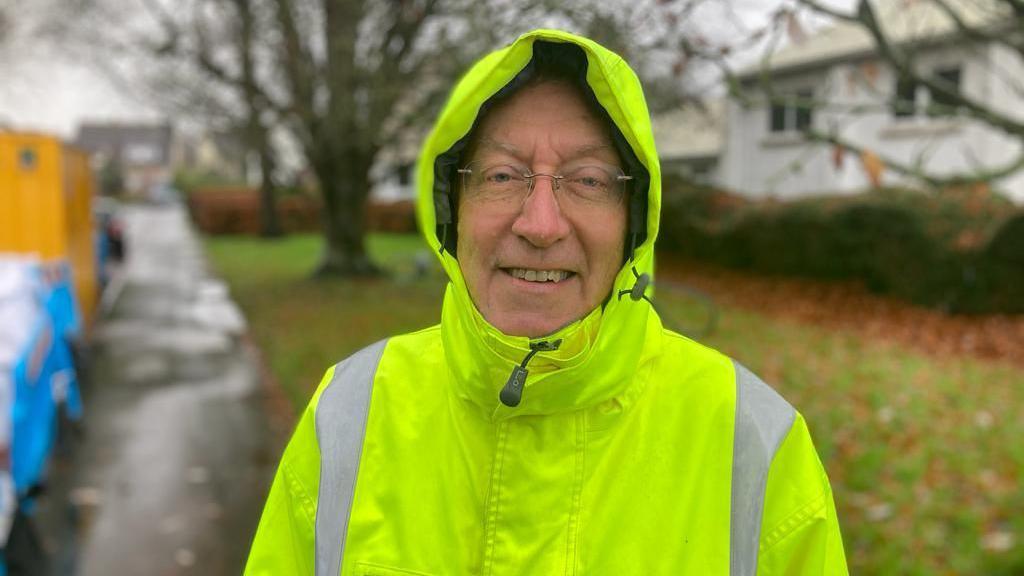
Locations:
{"points": [[257, 134], [344, 185], [270, 225]]}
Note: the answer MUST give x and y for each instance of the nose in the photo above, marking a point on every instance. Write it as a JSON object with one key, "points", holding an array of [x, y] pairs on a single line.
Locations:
{"points": [[541, 222]]}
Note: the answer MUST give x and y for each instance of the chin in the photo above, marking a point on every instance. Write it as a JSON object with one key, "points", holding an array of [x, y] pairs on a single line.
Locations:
{"points": [[518, 325]]}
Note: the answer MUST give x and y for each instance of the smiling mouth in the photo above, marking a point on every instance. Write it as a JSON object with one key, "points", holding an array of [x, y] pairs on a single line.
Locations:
{"points": [[531, 275]]}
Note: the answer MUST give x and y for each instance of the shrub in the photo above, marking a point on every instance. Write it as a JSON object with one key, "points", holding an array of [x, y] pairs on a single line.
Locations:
{"points": [[236, 210], [930, 249], [693, 217], [1001, 267]]}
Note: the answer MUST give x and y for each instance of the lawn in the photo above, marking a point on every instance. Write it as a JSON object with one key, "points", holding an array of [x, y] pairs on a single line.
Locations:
{"points": [[924, 453]]}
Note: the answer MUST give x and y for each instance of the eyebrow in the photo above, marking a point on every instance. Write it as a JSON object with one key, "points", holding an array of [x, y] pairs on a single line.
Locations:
{"points": [[584, 150]]}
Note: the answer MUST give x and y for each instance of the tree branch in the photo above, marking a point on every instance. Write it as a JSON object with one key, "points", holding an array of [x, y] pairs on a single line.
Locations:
{"points": [[916, 170], [828, 11], [386, 83], [980, 35], [899, 60], [297, 64]]}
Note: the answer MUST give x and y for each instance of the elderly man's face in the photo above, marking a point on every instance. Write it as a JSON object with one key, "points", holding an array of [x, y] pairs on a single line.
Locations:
{"points": [[536, 264]]}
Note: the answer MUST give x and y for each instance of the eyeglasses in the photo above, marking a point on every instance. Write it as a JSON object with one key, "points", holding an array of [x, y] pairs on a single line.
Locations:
{"points": [[586, 185]]}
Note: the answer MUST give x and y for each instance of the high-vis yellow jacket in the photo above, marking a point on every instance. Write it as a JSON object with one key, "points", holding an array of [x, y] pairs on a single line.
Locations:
{"points": [[633, 450]]}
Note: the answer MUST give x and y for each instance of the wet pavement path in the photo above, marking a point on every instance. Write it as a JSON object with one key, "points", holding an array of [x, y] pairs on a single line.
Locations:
{"points": [[172, 469]]}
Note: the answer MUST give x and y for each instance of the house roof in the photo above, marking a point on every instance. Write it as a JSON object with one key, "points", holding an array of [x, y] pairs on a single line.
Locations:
{"points": [[132, 144], [691, 132], [903, 21]]}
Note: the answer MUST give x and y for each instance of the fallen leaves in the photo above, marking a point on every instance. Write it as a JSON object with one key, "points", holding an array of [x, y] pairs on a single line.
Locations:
{"points": [[848, 306]]}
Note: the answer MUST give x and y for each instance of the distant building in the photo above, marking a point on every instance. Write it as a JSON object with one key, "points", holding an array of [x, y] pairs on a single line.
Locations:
{"points": [[690, 141], [853, 93], [220, 156], [140, 152]]}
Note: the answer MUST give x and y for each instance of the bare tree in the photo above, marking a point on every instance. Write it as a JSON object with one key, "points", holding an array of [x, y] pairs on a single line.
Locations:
{"points": [[257, 133], [1005, 27], [347, 77], [377, 55], [347, 66], [228, 58], [333, 71], [353, 75], [169, 57]]}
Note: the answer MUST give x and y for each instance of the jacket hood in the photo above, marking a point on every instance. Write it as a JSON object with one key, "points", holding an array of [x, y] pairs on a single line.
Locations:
{"points": [[599, 353]]}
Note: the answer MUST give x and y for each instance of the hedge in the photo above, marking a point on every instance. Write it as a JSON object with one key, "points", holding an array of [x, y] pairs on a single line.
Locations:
{"points": [[236, 210], [960, 251]]}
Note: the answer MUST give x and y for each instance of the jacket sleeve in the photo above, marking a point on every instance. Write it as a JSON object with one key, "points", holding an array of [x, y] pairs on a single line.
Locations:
{"points": [[799, 528], [284, 542]]}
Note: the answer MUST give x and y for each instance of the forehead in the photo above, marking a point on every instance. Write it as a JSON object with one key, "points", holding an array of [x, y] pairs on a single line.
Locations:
{"points": [[554, 112]]}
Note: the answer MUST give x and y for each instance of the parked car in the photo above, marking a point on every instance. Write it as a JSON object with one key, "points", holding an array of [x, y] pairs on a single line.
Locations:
{"points": [[110, 225]]}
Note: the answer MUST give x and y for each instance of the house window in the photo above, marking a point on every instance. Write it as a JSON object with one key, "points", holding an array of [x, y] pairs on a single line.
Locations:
{"points": [[405, 174], [141, 154], [802, 108], [905, 103], [942, 104], [795, 114], [778, 118]]}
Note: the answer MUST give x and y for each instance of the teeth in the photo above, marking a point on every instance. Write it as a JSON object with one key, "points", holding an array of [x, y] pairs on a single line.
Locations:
{"points": [[539, 275]]}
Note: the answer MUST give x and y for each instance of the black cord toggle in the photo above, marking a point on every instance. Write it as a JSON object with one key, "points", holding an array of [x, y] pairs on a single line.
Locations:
{"points": [[639, 287], [512, 393]]}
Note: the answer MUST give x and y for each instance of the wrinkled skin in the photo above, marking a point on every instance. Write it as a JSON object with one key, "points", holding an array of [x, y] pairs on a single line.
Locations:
{"points": [[544, 127]]}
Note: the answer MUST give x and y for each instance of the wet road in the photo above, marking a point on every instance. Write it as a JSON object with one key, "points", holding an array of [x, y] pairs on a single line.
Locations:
{"points": [[177, 454]]}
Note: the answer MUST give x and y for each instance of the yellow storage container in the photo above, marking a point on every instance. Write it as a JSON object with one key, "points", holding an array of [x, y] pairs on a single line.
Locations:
{"points": [[46, 191]]}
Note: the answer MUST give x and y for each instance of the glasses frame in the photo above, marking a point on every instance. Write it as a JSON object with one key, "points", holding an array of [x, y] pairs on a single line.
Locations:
{"points": [[531, 176]]}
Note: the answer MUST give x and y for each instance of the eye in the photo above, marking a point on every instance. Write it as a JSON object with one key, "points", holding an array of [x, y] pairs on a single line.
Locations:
{"points": [[590, 177], [501, 175]]}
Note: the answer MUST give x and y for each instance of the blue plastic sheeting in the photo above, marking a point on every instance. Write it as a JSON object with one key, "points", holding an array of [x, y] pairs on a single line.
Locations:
{"points": [[35, 412], [40, 372], [62, 308]]}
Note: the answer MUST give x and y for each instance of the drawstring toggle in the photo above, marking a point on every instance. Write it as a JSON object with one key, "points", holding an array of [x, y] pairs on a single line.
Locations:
{"points": [[636, 293], [512, 393]]}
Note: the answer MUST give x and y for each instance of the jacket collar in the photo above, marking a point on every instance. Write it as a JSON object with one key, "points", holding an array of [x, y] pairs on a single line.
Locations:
{"points": [[596, 361]]}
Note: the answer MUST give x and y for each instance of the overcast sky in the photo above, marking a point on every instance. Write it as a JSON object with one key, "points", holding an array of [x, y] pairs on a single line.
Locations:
{"points": [[42, 90], [54, 96]]}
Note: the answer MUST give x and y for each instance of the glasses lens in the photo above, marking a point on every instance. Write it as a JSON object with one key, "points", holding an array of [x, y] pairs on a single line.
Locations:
{"points": [[596, 184], [589, 184], [496, 183]]}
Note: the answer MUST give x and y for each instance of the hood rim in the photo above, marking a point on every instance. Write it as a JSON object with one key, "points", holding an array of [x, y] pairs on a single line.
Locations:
{"points": [[606, 74]]}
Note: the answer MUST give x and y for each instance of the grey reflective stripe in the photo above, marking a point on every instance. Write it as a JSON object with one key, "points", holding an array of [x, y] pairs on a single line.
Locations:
{"points": [[763, 418], [340, 426]]}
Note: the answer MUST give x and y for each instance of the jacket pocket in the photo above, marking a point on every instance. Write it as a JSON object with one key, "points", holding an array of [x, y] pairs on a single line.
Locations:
{"points": [[368, 569]]}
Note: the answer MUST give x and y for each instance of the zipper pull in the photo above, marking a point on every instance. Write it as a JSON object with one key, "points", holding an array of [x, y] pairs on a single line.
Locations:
{"points": [[512, 393]]}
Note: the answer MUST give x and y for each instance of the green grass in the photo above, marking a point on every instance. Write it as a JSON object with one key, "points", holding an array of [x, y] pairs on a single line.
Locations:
{"points": [[925, 454]]}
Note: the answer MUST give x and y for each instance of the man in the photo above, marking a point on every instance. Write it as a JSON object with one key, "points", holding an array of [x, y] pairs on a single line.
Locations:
{"points": [[549, 424]]}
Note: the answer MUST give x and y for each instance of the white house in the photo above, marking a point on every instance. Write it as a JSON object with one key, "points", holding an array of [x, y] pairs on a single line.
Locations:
{"points": [[690, 141], [855, 95]]}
